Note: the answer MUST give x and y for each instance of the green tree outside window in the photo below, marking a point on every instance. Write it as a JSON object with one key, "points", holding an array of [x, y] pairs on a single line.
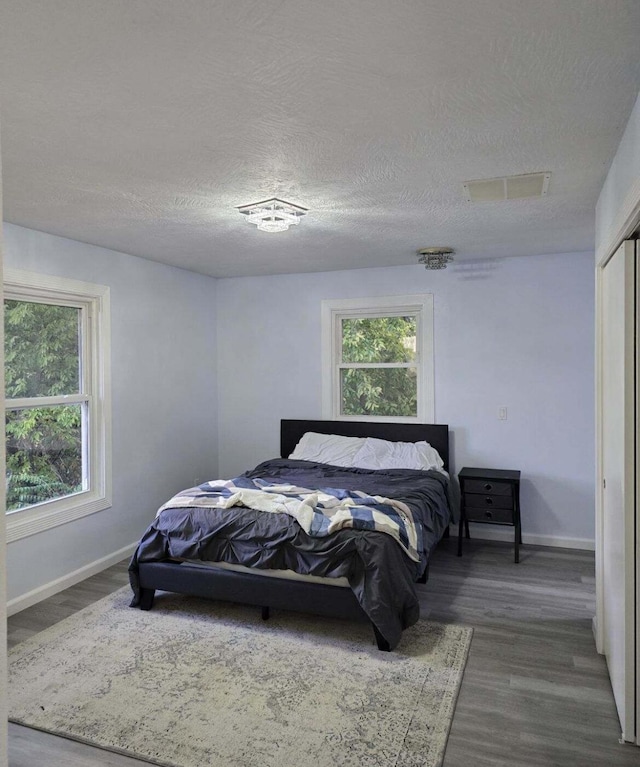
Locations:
{"points": [[378, 370], [43, 442]]}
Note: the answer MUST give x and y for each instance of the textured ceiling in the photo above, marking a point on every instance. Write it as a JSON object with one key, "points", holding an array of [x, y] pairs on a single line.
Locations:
{"points": [[140, 125]]}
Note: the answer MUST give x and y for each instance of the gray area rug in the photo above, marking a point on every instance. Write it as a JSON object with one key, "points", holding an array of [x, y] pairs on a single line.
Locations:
{"points": [[204, 684]]}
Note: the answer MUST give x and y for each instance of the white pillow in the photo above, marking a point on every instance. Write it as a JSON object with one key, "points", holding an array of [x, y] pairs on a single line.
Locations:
{"points": [[382, 454], [327, 448]]}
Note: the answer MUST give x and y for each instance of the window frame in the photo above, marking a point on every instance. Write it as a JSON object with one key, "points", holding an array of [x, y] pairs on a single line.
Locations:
{"points": [[334, 310], [95, 326]]}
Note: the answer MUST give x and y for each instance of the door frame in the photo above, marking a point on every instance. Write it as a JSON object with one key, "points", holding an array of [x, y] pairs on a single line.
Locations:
{"points": [[623, 530], [626, 229]]}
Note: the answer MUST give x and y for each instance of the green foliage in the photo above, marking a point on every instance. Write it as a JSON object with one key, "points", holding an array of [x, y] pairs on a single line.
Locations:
{"points": [[41, 351], [29, 489], [44, 450], [379, 339], [379, 391]]}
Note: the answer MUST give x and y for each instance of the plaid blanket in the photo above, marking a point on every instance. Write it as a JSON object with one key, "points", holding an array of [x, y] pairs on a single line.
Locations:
{"points": [[318, 512]]}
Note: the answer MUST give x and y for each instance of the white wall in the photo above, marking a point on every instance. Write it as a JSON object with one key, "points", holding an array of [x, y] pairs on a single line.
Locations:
{"points": [[618, 201], [163, 373], [515, 333], [617, 218]]}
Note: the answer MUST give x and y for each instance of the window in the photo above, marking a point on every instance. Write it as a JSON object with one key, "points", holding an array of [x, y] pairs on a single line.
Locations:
{"points": [[57, 401], [378, 358]]}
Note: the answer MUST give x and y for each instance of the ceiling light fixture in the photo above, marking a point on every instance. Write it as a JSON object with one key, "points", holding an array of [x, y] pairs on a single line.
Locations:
{"points": [[435, 258], [273, 215]]}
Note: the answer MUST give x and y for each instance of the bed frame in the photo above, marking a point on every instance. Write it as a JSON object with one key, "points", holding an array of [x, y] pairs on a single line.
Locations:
{"points": [[246, 588]]}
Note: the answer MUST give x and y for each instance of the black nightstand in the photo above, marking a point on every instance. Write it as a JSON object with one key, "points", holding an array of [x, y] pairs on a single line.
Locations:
{"points": [[491, 496]]}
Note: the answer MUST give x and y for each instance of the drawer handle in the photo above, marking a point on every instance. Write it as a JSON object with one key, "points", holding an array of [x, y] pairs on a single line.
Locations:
{"points": [[488, 486], [488, 515], [488, 501]]}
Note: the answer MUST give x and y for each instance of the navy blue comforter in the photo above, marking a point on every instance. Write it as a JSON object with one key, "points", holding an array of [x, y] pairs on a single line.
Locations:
{"points": [[380, 574]]}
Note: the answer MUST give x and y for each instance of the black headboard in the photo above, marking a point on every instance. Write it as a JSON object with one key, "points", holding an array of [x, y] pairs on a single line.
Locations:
{"points": [[437, 435]]}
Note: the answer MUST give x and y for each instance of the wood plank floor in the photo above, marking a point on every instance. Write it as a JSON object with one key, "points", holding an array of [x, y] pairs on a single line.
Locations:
{"points": [[535, 692]]}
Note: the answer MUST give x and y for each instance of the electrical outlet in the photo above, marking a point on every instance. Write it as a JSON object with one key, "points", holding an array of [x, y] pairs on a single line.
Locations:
{"points": [[502, 413]]}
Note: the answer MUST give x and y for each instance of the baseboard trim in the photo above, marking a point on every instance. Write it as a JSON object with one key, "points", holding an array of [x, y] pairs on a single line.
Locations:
{"points": [[491, 533], [594, 628], [17, 604]]}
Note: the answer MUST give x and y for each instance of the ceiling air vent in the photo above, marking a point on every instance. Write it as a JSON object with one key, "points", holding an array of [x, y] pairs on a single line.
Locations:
{"points": [[507, 187]]}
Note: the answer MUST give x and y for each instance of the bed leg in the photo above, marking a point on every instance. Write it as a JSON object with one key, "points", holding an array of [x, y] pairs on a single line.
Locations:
{"points": [[382, 643], [146, 598], [265, 613], [425, 575]]}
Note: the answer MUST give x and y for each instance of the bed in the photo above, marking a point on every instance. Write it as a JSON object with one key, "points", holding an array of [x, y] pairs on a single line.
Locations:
{"points": [[242, 554]]}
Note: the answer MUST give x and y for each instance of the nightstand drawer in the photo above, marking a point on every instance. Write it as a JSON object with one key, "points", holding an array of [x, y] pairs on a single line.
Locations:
{"points": [[473, 500], [494, 487], [499, 516]]}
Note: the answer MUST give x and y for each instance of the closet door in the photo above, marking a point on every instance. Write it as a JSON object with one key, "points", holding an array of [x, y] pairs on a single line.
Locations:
{"points": [[618, 463]]}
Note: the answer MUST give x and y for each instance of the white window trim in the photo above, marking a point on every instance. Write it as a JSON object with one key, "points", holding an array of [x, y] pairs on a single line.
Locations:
{"points": [[334, 309], [29, 286]]}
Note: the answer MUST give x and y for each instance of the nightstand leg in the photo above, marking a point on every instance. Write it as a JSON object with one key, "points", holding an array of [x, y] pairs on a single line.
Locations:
{"points": [[518, 541]]}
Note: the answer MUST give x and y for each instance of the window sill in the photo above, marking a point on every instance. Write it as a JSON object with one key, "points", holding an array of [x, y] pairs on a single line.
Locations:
{"points": [[36, 519]]}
